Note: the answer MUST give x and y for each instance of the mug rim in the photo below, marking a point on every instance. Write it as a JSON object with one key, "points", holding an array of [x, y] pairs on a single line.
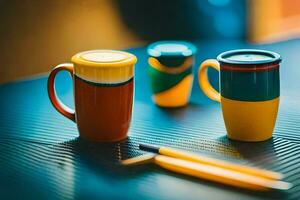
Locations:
{"points": [[154, 52], [274, 57], [129, 59]]}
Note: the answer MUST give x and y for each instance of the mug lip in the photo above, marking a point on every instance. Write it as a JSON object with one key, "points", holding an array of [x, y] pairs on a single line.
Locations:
{"points": [[190, 51], [129, 59], [274, 57]]}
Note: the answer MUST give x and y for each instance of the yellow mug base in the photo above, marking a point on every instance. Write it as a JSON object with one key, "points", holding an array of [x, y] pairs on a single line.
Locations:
{"points": [[232, 137], [249, 121]]}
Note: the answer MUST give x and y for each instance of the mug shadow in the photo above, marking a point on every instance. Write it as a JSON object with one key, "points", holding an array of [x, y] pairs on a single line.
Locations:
{"points": [[181, 113], [104, 158], [181, 110], [257, 153]]}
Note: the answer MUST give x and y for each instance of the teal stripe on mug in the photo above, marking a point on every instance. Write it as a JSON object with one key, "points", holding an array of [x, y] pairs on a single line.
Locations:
{"points": [[162, 81], [171, 61], [250, 86]]}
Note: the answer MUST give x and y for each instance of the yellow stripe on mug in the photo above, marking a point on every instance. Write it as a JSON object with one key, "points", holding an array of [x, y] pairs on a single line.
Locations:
{"points": [[178, 95]]}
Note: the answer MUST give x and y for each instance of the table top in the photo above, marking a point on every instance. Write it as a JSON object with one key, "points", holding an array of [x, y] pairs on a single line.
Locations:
{"points": [[41, 156]]}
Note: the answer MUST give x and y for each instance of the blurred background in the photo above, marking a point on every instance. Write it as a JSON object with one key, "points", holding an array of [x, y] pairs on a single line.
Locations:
{"points": [[36, 35]]}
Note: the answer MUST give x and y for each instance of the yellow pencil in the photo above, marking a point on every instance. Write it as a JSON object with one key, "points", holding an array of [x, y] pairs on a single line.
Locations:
{"points": [[211, 173], [211, 161]]}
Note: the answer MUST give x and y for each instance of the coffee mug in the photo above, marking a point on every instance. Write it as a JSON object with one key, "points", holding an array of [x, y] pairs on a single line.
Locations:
{"points": [[171, 73], [103, 93], [249, 91]]}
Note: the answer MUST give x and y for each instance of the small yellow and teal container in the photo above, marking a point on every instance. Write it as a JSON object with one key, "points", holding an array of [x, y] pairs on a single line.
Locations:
{"points": [[171, 72]]}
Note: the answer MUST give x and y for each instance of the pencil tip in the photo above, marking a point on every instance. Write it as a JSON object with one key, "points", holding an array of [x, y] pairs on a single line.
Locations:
{"points": [[149, 148], [284, 185], [143, 159]]}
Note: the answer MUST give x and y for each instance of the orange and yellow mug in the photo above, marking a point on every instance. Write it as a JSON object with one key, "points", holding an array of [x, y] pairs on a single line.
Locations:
{"points": [[249, 91], [103, 93]]}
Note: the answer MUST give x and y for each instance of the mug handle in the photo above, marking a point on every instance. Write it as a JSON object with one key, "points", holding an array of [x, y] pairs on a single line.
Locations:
{"points": [[204, 82], [57, 104]]}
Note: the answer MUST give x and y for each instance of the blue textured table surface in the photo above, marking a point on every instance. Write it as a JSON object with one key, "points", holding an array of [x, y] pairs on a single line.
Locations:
{"points": [[41, 156]]}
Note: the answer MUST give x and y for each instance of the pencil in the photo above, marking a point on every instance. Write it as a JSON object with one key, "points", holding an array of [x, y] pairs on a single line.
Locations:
{"points": [[209, 172], [211, 161]]}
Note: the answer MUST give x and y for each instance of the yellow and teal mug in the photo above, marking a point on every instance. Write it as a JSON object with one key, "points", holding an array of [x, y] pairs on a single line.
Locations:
{"points": [[249, 91]]}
